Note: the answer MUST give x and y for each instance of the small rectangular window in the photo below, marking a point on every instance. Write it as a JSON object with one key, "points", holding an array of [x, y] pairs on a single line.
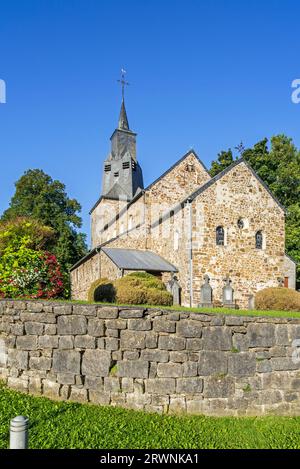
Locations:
{"points": [[116, 174], [126, 165], [107, 168], [105, 227], [133, 165]]}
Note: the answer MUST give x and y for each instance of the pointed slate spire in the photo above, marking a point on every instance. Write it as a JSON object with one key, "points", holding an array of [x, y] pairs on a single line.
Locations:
{"points": [[123, 121]]}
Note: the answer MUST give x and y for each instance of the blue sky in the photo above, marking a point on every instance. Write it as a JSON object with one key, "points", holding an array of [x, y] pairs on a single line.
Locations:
{"points": [[204, 74]]}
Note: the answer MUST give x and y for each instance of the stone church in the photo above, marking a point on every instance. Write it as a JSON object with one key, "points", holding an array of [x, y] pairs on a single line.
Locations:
{"points": [[217, 239]]}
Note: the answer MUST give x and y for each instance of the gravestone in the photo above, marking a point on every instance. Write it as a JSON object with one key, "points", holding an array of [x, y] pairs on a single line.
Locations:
{"points": [[228, 292], [174, 288], [206, 293]]}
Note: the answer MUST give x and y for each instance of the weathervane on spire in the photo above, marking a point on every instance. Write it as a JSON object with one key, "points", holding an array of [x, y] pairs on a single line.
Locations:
{"points": [[122, 81]]}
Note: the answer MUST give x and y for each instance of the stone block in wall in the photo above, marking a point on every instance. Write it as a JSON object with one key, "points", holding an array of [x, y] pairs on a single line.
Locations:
{"points": [[35, 385], [99, 397], [240, 341], [189, 328], [283, 364], [139, 324], [190, 369], [66, 378], [18, 383], [85, 310], [27, 342], [133, 369], [18, 359], [132, 339], [78, 394], [95, 327], [107, 312], [151, 340], [17, 329], [263, 366], [211, 363], [169, 370], [112, 384], [160, 386], [64, 392], [179, 357], [66, 361], [84, 341], [261, 335], [177, 405], [217, 338], [112, 333], [161, 356], [127, 384], [242, 364], [234, 321], [194, 344], [111, 343], [219, 386], [161, 324], [48, 341], [51, 388], [131, 355], [35, 307], [193, 385], [171, 342], [46, 318], [96, 362], [294, 331], [62, 310], [131, 313], [34, 328], [281, 335], [93, 382], [71, 325], [40, 363], [66, 342], [116, 324], [50, 329]]}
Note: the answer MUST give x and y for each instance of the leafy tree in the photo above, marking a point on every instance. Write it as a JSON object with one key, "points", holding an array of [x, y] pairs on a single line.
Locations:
{"points": [[40, 197], [26, 231], [279, 167], [225, 158]]}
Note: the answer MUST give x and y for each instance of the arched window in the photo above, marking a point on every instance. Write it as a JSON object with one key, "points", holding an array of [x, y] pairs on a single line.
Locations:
{"points": [[259, 240], [220, 236], [176, 240], [130, 222]]}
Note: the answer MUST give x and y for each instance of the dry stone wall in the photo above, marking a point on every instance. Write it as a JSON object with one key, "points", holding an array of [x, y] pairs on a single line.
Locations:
{"points": [[153, 360]]}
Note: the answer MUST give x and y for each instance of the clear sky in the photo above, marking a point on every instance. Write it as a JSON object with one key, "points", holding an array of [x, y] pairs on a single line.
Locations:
{"points": [[204, 74]]}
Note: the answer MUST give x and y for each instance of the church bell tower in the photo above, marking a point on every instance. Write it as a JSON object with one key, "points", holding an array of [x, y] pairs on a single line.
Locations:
{"points": [[122, 175]]}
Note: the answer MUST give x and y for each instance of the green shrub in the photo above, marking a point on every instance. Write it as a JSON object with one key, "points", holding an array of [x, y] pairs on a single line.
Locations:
{"points": [[136, 288], [159, 297], [278, 299], [102, 290]]}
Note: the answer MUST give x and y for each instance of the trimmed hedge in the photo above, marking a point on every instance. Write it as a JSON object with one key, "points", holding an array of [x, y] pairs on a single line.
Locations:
{"points": [[102, 290], [280, 299], [136, 288]]}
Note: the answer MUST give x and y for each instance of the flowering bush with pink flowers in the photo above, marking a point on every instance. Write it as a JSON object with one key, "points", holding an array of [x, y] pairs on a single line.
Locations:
{"points": [[26, 272]]}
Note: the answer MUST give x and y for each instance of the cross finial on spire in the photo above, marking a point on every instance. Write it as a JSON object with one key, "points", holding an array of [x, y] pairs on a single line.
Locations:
{"points": [[123, 82]]}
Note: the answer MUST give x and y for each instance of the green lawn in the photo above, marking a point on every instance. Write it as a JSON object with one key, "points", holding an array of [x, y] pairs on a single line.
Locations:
{"points": [[71, 425]]}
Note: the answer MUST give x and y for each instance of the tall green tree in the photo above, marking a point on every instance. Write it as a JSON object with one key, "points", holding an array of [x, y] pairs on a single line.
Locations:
{"points": [[225, 158], [278, 165], [40, 197]]}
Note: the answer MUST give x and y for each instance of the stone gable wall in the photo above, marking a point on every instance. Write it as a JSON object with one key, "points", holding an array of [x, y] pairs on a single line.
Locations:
{"points": [[152, 360]]}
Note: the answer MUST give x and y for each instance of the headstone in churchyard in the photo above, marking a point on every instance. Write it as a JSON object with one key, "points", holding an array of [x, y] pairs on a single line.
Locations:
{"points": [[206, 293], [251, 302], [228, 293], [175, 290]]}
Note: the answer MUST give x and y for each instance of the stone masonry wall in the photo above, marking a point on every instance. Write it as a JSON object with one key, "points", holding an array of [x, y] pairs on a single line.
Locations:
{"points": [[153, 360]]}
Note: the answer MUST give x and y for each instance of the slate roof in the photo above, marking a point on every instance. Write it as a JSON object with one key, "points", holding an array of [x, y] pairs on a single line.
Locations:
{"points": [[134, 259]]}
